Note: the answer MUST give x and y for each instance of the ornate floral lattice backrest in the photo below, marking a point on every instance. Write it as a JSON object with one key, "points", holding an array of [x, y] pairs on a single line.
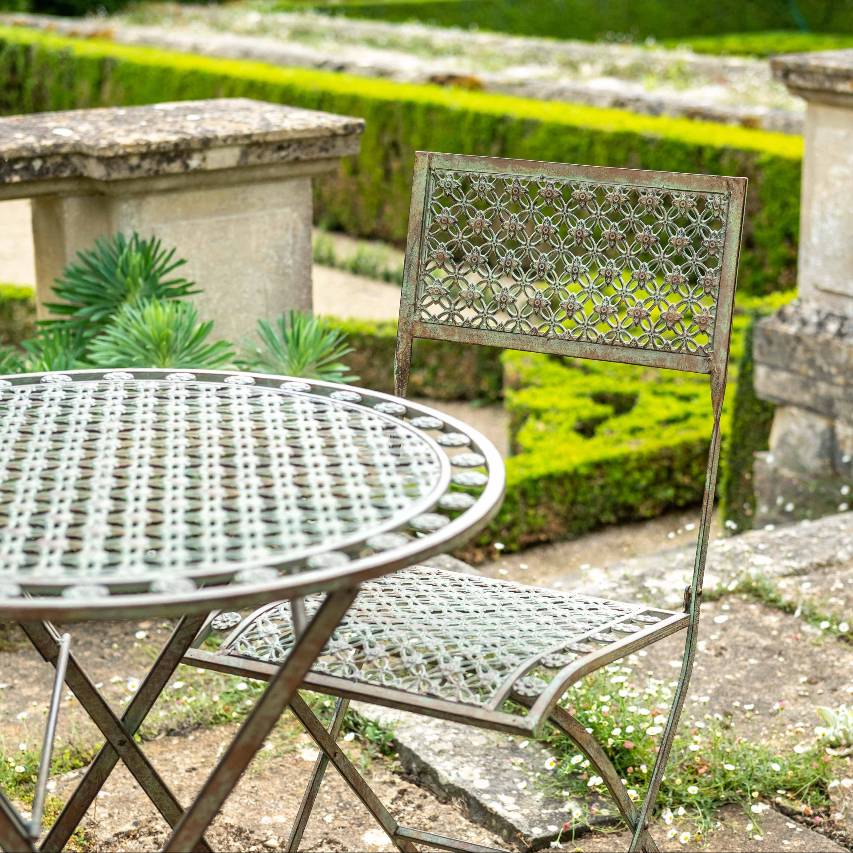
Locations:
{"points": [[617, 264]]}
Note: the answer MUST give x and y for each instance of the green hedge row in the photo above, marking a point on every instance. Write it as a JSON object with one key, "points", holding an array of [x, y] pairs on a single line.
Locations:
{"points": [[369, 195], [765, 44], [441, 370], [596, 19], [593, 443], [597, 443], [17, 313]]}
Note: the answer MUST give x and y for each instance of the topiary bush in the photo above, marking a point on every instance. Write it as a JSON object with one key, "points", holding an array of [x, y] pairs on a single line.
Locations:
{"points": [[369, 195], [597, 443]]}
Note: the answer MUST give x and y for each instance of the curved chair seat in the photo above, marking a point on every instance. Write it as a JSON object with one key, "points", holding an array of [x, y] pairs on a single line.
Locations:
{"points": [[454, 645]]}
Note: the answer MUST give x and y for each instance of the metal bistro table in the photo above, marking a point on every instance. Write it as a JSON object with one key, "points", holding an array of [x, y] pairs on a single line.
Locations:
{"points": [[161, 493]]}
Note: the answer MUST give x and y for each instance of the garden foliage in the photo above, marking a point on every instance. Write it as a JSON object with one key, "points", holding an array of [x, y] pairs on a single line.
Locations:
{"points": [[369, 195], [603, 19], [593, 442], [122, 306]]}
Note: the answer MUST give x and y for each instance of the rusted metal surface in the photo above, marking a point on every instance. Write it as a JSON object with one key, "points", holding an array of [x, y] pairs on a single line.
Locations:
{"points": [[257, 726], [14, 833], [445, 635], [613, 264], [117, 735], [61, 666], [143, 700], [153, 492], [317, 774], [350, 775]]}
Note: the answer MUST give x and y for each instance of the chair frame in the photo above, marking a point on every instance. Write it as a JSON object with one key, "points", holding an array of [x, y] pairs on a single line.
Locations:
{"points": [[545, 708]]}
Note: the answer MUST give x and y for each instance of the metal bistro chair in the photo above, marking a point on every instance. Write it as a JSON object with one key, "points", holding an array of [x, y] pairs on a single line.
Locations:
{"points": [[613, 264]]}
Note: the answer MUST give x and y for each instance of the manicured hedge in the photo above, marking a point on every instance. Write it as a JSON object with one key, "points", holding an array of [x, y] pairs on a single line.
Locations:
{"points": [[17, 313], [369, 195], [593, 443], [595, 19], [597, 443], [440, 369], [766, 44]]}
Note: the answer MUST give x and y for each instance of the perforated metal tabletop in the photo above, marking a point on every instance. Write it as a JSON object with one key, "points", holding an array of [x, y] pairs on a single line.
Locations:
{"points": [[152, 491]]}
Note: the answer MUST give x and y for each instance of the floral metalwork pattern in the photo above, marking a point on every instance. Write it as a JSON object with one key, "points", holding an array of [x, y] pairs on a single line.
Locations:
{"points": [[174, 480], [604, 263], [452, 636]]}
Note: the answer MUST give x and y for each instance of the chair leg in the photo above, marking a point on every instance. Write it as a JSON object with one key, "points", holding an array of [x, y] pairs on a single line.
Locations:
{"points": [[310, 795], [671, 726], [280, 691], [351, 776], [599, 759]]}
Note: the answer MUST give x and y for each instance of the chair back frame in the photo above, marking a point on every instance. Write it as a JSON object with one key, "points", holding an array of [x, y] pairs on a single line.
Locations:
{"points": [[629, 254]]}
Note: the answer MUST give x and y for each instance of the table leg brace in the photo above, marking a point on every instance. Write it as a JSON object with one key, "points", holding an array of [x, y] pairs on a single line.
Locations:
{"points": [[13, 832], [119, 734], [260, 722]]}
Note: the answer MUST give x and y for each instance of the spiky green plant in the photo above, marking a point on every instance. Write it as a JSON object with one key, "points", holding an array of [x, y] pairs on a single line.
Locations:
{"points": [[56, 347], [159, 334], [298, 344], [118, 271], [11, 360]]}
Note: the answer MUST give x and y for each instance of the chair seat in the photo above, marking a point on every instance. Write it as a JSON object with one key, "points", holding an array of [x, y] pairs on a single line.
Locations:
{"points": [[429, 639]]}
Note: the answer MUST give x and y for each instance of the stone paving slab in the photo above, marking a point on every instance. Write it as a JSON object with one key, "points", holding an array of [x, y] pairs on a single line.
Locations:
{"points": [[829, 591], [497, 777], [795, 550]]}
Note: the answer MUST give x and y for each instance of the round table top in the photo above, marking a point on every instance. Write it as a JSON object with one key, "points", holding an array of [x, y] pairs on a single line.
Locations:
{"points": [[140, 492]]}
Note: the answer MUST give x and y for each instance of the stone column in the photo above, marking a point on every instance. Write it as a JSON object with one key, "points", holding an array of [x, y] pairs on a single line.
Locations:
{"points": [[227, 182], [804, 352]]}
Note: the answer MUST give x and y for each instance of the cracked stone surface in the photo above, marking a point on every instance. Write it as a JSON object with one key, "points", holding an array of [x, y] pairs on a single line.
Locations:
{"points": [[499, 778], [117, 143], [795, 550]]}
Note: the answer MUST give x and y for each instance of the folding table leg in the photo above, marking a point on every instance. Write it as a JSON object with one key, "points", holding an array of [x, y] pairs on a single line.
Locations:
{"points": [[260, 722], [13, 832], [307, 804], [119, 734]]}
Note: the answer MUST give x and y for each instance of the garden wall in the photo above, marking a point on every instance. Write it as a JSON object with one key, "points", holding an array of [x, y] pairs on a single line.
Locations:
{"points": [[369, 195]]}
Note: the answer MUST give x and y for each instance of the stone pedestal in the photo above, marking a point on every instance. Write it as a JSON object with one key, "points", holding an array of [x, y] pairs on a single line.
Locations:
{"points": [[804, 353], [227, 182]]}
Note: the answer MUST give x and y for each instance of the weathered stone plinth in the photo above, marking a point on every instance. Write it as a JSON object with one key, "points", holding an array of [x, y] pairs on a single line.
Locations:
{"points": [[227, 182], [804, 353]]}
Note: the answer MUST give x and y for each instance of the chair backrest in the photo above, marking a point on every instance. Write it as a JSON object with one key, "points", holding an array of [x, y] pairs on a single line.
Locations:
{"points": [[614, 264]]}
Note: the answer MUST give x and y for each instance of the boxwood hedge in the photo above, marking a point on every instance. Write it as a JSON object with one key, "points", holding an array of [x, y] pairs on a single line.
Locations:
{"points": [[596, 19], [593, 443], [369, 195]]}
